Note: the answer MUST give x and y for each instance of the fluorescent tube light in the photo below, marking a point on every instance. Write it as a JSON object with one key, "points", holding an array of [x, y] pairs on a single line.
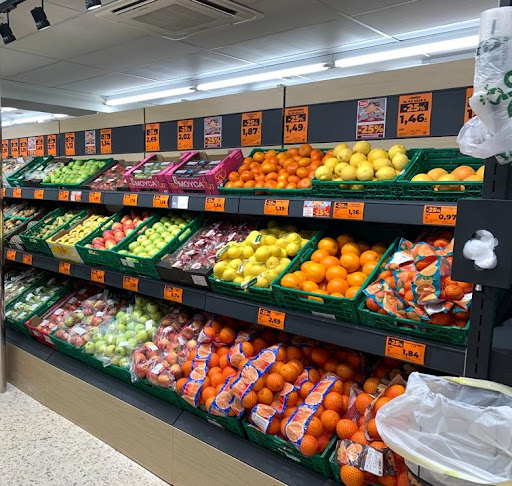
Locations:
{"points": [[452, 45], [154, 95], [6, 109], [34, 119], [60, 115], [256, 78]]}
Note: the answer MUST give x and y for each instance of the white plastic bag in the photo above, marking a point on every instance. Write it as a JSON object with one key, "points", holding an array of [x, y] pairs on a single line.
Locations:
{"points": [[458, 430], [490, 132]]}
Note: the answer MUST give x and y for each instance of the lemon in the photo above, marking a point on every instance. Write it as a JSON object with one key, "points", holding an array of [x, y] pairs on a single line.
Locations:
{"points": [[480, 172], [272, 224], [252, 235], [396, 149], [235, 263], [323, 173], [380, 163], [339, 148], [422, 177], [399, 161], [281, 243], [262, 254], [274, 231], [362, 147], [247, 251], [356, 187], [229, 274], [269, 240], [275, 250], [357, 159], [272, 262], [219, 268], [271, 275], [252, 259], [331, 163], [344, 155], [364, 173], [339, 167], [282, 234], [223, 254], [303, 243], [234, 252], [285, 261], [280, 268], [292, 249], [386, 173], [377, 153], [238, 280], [265, 232], [292, 238], [262, 282], [348, 173]]}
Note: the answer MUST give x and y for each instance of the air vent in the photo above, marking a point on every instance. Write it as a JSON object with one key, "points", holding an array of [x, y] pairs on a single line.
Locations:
{"points": [[177, 19]]}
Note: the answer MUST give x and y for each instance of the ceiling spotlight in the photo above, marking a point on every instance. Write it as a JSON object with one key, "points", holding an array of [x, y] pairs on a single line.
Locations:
{"points": [[92, 4], [40, 17], [6, 32]]}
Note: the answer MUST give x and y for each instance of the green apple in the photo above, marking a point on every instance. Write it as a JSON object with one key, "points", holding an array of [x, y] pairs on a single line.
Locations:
{"points": [[89, 348], [121, 327], [153, 252], [110, 339], [120, 351], [110, 350], [142, 336], [140, 327], [160, 244], [133, 245], [124, 363], [115, 360], [157, 226], [142, 238], [100, 347], [149, 232]]}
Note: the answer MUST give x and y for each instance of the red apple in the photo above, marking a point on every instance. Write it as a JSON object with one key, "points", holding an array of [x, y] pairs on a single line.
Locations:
{"points": [[110, 244], [117, 227], [108, 233], [128, 231], [124, 218], [129, 226], [97, 240]]}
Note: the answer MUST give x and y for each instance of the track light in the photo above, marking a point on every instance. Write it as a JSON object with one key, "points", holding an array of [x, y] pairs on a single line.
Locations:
{"points": [[92, 4], [6, 33], [40, 17]]}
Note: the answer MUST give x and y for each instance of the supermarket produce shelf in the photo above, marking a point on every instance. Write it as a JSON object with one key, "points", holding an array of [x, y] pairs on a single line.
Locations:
{"points": [[265, 461], [438, 356], [381, 211]]}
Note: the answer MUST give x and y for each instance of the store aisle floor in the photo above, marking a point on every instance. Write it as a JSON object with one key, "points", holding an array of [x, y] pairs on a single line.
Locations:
{"points": [[40, 448]]}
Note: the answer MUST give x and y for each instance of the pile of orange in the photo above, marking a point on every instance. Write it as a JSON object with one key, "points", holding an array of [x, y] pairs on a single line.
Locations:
{"points": [[337, 268], [293, 169]]}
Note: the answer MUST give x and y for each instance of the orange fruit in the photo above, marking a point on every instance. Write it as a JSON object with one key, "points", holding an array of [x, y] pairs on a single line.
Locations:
{"points": [[187, 367], [259, 384], [301, 276], [347, 386], [293, 398], [369, 267], [227, 335], [309, 445], [388, 481], [379, 445], [463, 171], [179, 384], [337, 285], [335, 271], [320, 356], [292, 352], [208, 392], [298, 365], [343, 239], [319, 292], [330, 367], [274, 427], [350, 262], [350, 248], [381, 402], [363, 400], [330, 419], [265, 396], [329, 245], [217, 379], [368, 256], [351, 292], [250, 399], [329, 261], [258, 344], [315, 272], [359, 437], [333, 401], [276, 367], [380, 248], [223, 361], [454, 292], [305, 150], [309, 286], [356, 279], [247, 348], [370, 385], [289, 373], [394, 391], [290, 281], [275, 382], [214, 371], [306, 388], [315, 427], [345, 428], [372, 429], [344, 371], [314, 375], [351, 476]]}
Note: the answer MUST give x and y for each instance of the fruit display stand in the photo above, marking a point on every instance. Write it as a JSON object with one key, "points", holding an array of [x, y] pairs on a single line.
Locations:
{"points": [[86, 177], [17, 178]]}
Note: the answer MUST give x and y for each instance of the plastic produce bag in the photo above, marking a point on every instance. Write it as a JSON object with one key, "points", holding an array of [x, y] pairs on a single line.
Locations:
{"points": [[490, 132], [458, 430]]}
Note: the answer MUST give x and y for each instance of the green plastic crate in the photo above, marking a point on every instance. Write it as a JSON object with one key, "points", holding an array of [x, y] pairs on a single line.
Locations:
{"points": [[117, 372], [369, 189], [68, 349], [343, 309], [108, 164], [17, 178], [257, 294], [318, 463], [447, 159], [166, 394], [231, 424], [335, 468]]}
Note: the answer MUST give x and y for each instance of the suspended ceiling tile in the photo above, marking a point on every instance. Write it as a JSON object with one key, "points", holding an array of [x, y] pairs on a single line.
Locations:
{"points": [[314, 38], [424, 14], [58, 74], [355, 7], [13, 62], [188, 66], [141, 51], [108, 84]]}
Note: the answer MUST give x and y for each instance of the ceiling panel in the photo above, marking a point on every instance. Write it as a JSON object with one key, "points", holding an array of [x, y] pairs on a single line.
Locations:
{"points": [[314, 38], [14, 62], [424, 14], [144, 50], [354, 7], [192, 65], [108, 84], [58, 74]]}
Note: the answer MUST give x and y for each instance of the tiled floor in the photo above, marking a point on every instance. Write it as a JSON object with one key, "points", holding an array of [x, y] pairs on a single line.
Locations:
{"points": [[40, 448]]}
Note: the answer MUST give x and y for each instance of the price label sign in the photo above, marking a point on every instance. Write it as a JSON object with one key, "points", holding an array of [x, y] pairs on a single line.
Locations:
{"points": [[106, 141], [16, 192], [65, 268], [5, 149], [185, 134], [95, 197], [414, 114], [27, 258], [316, 209], [276, 207], [15, 148], [348, 210], [439, 215], [405, 350], [38, 193], [98, 275], [23, 147], [251, 128], [468, 111], [160, 201], [51, 145], [153, 137], [76, 196], [63, 195], [131, 283], [69, 143], [271, 318], [40, 146], [173, 293], [214, 204], [11, 255], [296, 124], [130, 199]]}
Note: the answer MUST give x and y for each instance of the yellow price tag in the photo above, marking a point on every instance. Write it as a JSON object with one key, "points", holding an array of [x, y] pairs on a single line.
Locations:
{"points": [[173, 293], [65, 268], [130, 199], [160, 201], [38, 193], [11, 255], [131, 283], [405, 350], [98, 275], [271, 318], [27, 258]]}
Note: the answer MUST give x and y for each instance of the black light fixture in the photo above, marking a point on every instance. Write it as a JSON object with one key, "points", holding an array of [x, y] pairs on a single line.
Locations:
{"points": [[92, 4], [40, 17], [6, 32]]}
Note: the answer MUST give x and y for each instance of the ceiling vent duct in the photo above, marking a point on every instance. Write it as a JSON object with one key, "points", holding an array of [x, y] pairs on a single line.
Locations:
{"points": [[177, 19]]}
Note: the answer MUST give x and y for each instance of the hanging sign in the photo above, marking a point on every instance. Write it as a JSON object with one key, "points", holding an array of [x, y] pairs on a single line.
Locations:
{"points": [[185, 134], [23, 147], [40, 146], [106, 141], [296, 124], [51, 145], [213, 132], [251, 128], [90, 142], [31, 146], [371, 118], [468, 111], [15, 148], [69, 140], [414, 114], [153, 137], [5, 149]]}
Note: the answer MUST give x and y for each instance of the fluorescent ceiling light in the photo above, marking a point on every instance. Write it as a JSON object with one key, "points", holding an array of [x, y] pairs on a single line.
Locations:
{"points": [[6, 109], [60, 115], [34, 119], [154, 95], [256, 78], [452, 45]]}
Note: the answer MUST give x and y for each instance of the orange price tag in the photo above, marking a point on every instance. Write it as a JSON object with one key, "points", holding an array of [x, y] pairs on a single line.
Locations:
{"points": [[160, 201], [276, 207], [414, 115], [214, 204], [69, 141], [251, 128], [16, 192], [106, 141], [40, 146], [51, 145], [63, 195], [95, 197], [65, 268], [15, 150], [131, 283], [185, 134], [5, 149], [439, 215], [173, 293], [24, 147], [468, 111], [153, 137], [296, 124], [38, 193], [405, 350], [11, 255], [130, 199], [27, 258], [271, 318], [348, 210], [97, 275]]}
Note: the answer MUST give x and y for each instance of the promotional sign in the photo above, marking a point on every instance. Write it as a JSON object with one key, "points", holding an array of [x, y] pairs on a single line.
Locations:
{"points": [[40, 146], [106, 141], [251, 128], [15, 150], [185, 134], [90, 142], [213, 132], [414, 115], [153, 137], [371, 118], [296, 124], [23, 147], [51, 145], [31, 146], [69, 140], [5, 148]]}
